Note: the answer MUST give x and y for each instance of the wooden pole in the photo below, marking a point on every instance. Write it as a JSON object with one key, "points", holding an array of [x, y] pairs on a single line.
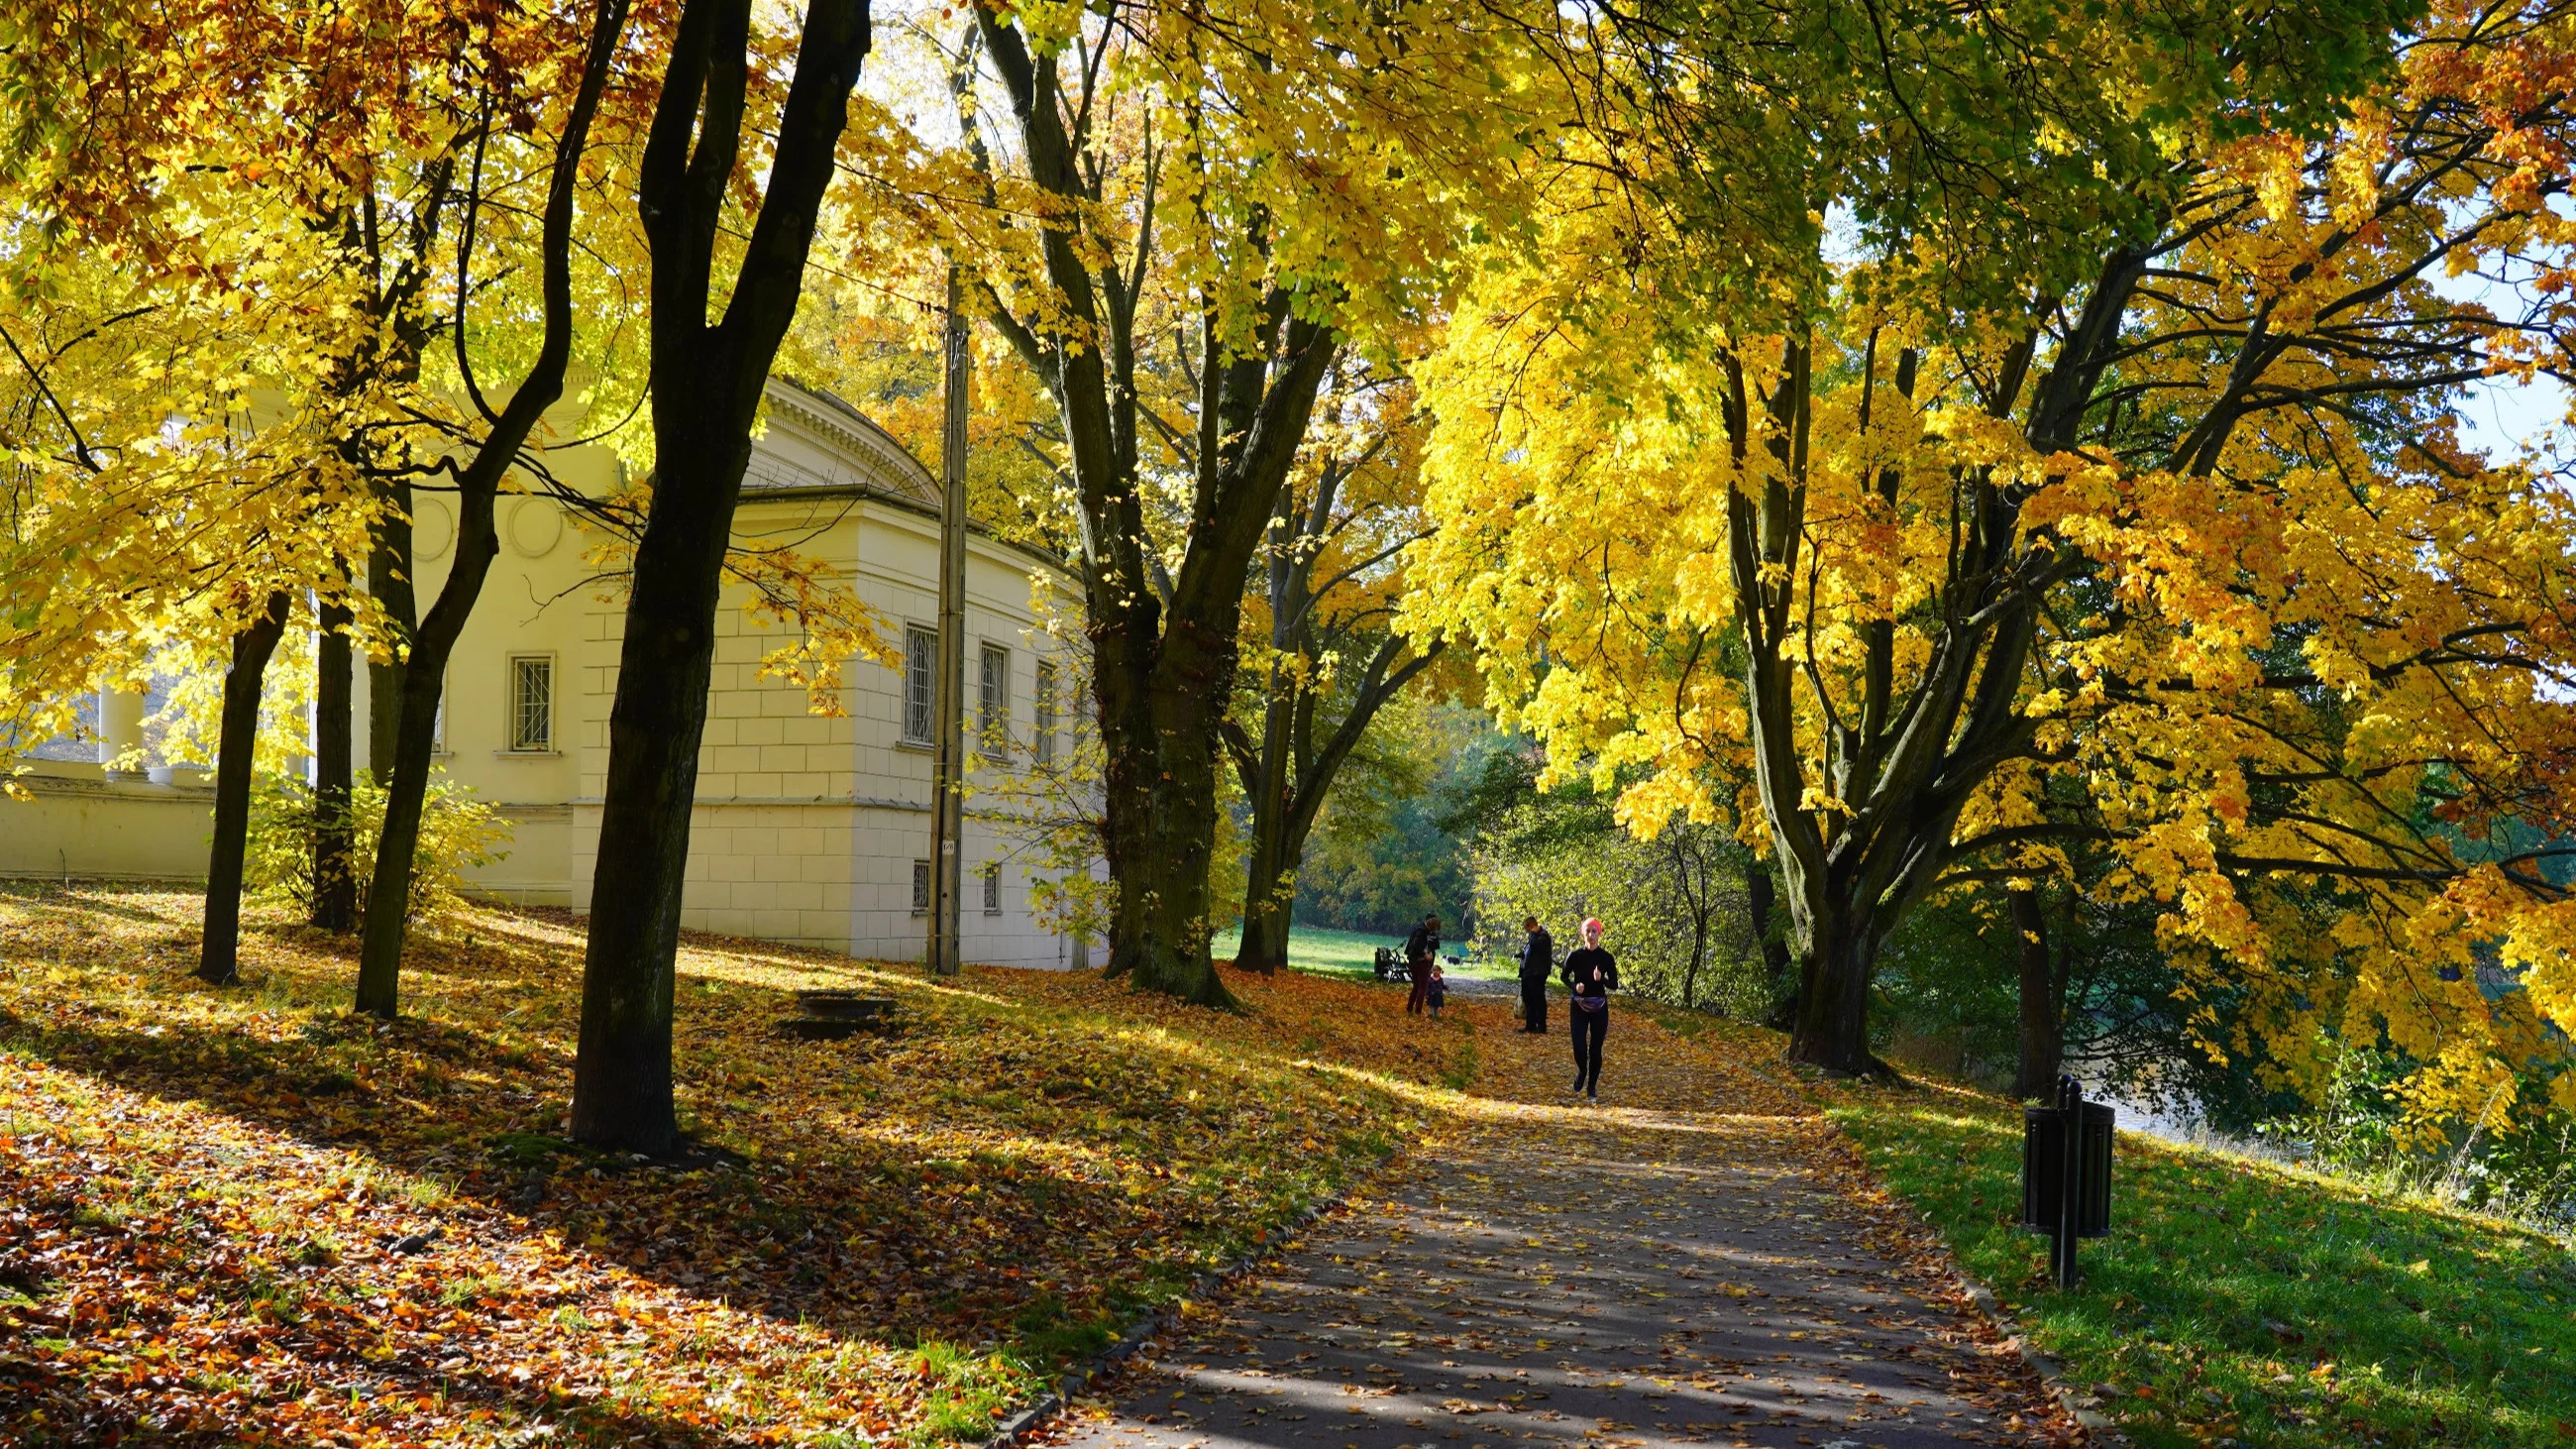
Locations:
{"points": [[947, 816]]}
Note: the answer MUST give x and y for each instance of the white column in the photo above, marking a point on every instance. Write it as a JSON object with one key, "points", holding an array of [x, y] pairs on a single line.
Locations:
{"points": [[120, 731]]}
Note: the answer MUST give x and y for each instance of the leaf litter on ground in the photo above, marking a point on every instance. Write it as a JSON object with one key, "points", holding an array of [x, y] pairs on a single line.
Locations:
{"points": [[244, 1216]]}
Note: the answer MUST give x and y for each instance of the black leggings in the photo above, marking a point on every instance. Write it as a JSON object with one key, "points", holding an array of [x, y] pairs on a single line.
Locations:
{"points": [[1591, 1028]]}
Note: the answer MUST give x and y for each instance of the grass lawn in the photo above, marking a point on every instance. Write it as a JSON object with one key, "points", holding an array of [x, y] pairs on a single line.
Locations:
{"points": [[1326, 952], [2239, 1300], [244, 1216]]}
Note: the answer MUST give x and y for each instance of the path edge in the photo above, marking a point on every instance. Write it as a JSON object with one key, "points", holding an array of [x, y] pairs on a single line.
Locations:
{"points": [[2094, 1422], [2097, 1426], [1047, 1406]]}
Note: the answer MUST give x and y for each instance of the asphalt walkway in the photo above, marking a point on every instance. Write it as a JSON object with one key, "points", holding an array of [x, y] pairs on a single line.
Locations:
{"points": [[1694, 1261]]}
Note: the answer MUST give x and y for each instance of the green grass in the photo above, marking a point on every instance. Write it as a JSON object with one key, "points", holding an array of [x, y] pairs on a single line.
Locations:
{"points": [[2242, 1300], [1348, 953]]}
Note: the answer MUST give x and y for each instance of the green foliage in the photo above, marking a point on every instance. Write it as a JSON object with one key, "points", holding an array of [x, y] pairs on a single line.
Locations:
{"points": [[2237, 1300], [1386, 850], [457, 833], [1948, 996], [1673, 908]]}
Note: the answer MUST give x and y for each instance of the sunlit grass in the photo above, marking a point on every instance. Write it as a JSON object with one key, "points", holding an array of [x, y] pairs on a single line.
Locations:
{"points": [[2239, 1299]]}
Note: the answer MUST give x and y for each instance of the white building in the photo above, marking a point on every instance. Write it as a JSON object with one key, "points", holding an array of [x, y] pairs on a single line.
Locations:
{"points": [[809, 828]]}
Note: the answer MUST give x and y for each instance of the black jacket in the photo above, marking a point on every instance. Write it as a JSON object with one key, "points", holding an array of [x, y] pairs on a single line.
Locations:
{"points": [[1539, 957], [1589, 971], [1422, 945]]}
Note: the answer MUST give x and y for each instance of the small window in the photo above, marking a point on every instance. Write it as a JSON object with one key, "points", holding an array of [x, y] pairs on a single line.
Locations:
{"points": [[993, 699], [992, 890], [532, 704], [1042, 744], [920, 678], [921, 887]]}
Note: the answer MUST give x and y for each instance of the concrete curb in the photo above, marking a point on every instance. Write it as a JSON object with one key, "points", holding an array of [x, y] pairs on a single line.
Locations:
{"points": [[2096, 1425], [1141, 1333]]}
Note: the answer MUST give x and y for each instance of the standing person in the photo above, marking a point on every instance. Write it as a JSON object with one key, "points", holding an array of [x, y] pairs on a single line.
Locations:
{"points": [[1420, 950], [1538, 962], [1591, 975], [1439, 996]]}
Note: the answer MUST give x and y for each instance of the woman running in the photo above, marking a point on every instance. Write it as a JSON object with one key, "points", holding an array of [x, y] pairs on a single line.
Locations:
{"points": [[1591, 975]]}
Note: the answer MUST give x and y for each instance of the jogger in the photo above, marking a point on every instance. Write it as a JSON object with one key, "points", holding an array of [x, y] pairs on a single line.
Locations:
{"points": [[1591, 975], [1591, 1029]]}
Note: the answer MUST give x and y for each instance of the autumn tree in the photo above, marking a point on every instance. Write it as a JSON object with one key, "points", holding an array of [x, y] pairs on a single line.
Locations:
{"points": [[2187, 528], [707, 382], [1323, 657], [1182, 232]]}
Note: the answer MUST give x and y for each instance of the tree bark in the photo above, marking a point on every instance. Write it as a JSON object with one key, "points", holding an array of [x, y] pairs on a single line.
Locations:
{"points": [[1761, 898], [1164, 642], [2042, 1045], [1832, 1028], [335, 886], [707, 385], [478, 483], [219, 944], [389, 579]]}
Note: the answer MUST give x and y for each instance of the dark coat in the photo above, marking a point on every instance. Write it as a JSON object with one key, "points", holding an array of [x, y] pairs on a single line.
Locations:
{"points": [[1539, 957]]}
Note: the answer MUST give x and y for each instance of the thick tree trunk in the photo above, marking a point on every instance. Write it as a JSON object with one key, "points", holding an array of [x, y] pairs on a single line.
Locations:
{"points": [[2042, 1047], [1839, 955], [219, 947], [335, 884], [1159, 737]]}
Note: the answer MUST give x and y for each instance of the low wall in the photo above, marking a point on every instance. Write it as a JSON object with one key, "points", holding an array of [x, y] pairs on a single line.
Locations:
{"points": [[80, 825]]}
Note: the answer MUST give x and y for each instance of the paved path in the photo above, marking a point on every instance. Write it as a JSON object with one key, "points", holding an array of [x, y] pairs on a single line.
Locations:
{"points": [[1675, 1266]]}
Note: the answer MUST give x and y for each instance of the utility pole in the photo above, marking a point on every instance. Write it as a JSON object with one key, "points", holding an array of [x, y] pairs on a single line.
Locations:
{"points": [[948, 692]]}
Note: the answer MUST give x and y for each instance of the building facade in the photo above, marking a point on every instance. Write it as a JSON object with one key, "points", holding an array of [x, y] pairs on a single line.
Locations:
{"points": [[809, 828]]}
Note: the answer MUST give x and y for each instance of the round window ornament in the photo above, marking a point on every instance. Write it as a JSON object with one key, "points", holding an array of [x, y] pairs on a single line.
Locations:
{"points": [[433, 528], [536, 526]]}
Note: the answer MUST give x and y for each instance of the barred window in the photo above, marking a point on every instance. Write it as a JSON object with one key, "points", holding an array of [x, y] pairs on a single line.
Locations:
{"points": [[920, 886], [993, 699], [920, 678], [1043, 743], [992, 890], [532, 704]]}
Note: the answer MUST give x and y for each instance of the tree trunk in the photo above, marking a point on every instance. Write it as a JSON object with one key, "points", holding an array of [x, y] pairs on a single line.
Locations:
{"points": [[1840, 953], [219, 946], [1267, 873], [1159, 737], [1761, 897], [622, 1077], [335, 885], [707, 385], [1268, 901], [2042, 1049], [389, 580], [478, 483]]}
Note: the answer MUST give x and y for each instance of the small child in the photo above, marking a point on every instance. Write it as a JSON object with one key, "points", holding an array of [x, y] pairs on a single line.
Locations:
{"points": [[1439, 990]]}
